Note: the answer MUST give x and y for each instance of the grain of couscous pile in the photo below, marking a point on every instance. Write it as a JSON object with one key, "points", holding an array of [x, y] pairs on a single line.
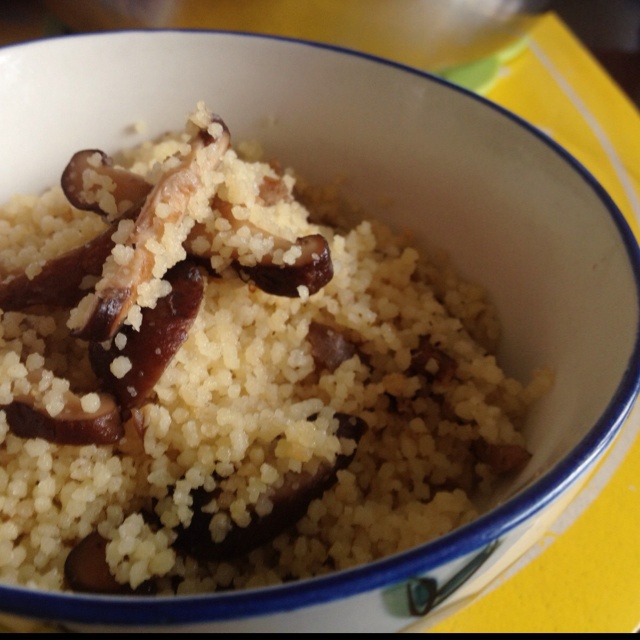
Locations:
{"points": [[241, 390]]}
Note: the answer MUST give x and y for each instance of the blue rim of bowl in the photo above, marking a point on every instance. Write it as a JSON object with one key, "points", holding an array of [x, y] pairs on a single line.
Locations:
{"points": [[387, 572]]}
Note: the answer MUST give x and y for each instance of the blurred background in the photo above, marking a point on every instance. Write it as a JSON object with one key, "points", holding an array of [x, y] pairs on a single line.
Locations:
{"points": [[611, 30], [436, 34]]}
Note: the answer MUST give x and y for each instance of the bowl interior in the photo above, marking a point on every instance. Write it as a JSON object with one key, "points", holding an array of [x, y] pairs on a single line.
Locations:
{"points": [[514, 211]]}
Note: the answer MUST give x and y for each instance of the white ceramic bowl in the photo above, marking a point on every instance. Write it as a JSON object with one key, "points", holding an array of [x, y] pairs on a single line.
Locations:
{"points": [[515, 211]]}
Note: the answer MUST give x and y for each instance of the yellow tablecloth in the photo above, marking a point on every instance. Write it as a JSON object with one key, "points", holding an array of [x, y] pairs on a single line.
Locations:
{"points": [[582, 577], [586, 579]]}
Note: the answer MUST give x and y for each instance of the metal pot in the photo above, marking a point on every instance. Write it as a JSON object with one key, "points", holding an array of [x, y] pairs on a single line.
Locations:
{"points": [[431, 34]]}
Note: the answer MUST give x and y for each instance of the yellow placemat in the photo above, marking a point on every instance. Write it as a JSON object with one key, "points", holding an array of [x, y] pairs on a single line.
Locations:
{"points": [[585, 579]]}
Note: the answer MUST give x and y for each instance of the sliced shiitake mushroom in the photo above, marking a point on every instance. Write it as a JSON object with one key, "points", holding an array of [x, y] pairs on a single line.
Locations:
{"points": [[86, 570], [312, 269], [502, 458], [329, 346], [91, 182], [290, 503], [163, 330], [116, 291], [431, 361], [60, 283], [73, 425]]}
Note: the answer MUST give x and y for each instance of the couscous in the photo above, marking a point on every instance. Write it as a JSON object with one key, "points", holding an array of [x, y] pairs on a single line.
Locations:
{"points": [[209, 382]]}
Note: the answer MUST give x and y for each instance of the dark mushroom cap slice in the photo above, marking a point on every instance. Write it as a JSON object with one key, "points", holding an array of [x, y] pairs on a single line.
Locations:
{"points": [[290, 503], [312, 269], [329, 346], [426, 354], [73, 425], [91, 183], [116, 291], [502, 458], [163, 330], [86, 570], [59, 284]]}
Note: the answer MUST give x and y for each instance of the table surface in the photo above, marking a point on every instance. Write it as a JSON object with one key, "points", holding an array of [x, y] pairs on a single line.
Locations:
{"points": [[581, 577]]}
